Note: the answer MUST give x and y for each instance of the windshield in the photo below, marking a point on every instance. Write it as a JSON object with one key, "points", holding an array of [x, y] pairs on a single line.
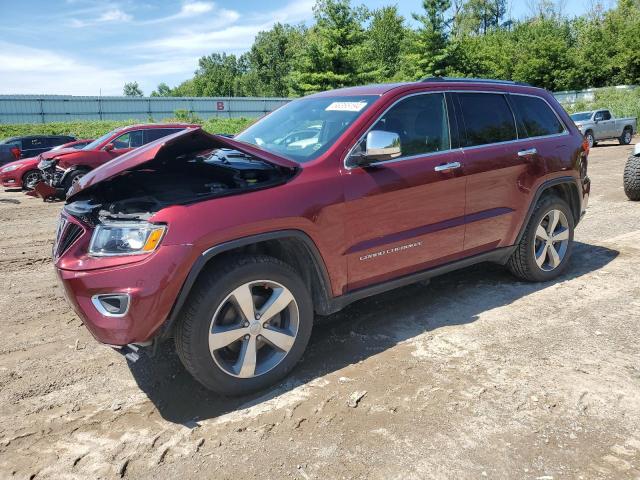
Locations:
{"points": [[581, 116], [304, 129], [93, 145]]}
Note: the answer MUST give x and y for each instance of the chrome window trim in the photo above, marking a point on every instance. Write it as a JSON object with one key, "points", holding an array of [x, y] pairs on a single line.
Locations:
{"points": [[564, 132]]}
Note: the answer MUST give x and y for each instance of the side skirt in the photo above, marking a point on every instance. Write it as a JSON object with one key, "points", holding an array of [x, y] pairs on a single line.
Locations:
{"points": [[500, 256]]}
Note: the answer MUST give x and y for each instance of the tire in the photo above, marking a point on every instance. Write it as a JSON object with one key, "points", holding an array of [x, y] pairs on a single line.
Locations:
{"points": [[591, 140], [213, 306], [30, 178], [523, 262], [72, 179], [625, 138], [631, 178]]}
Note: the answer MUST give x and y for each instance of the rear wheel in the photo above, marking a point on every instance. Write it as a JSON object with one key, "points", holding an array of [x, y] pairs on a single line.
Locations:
{"points": [[631, 178], [545, 248], [30, 179], [625, 138], [246, 325]]}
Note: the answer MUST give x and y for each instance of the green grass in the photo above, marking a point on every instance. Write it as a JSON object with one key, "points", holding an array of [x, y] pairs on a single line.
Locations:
{"points": [[93, 129], [623, 103]]}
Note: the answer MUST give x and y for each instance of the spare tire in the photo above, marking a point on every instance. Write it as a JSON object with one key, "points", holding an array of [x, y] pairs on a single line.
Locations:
{"points": [[632, 178]]}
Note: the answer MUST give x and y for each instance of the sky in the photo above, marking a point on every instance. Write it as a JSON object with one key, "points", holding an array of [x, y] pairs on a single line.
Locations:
{"points": [[92, 47]]}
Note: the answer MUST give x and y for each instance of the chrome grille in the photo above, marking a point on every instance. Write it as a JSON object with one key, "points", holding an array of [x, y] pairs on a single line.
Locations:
{"points": [[67, 233]]}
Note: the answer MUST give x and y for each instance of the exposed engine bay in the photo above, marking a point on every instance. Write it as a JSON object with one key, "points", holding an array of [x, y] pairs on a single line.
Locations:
{"points": [[168, 180]]}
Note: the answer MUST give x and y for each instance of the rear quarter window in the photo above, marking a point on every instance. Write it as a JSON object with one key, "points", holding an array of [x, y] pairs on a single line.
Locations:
{"points": [[487, 118], [536, 117]]}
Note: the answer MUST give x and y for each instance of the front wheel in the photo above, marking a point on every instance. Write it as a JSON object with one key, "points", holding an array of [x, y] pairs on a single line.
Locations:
{"points": [[30, 179], [73, 178], [545, 248], [247, 324], [631, 178], [591, 140]]}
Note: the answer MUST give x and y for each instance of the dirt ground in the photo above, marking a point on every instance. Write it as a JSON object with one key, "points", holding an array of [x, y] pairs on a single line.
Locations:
{"points": [[475, 375]]}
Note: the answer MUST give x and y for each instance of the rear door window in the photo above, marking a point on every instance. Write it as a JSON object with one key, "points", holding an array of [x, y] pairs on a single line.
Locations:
{"points": [[33, 143], [156, 133], [487, 118], [55, 141], [536, 116]]}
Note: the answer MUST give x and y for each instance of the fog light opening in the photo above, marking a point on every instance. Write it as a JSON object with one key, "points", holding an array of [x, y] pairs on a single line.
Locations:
{"points": [[112, 304]]}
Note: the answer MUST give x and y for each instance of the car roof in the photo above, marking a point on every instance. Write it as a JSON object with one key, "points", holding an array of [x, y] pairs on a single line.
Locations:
{"points": [[145, 126], [433, 82]]}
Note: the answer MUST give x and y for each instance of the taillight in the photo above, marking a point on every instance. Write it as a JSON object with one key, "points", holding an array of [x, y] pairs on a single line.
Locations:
{"points": [[16, 152], [585, 146]]}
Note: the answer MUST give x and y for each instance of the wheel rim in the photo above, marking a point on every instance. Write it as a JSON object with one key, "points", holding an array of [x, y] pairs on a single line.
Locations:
{"points": [[76, 179], [627, 136], [31, 179], [254, 328], [552, 240], [590, 140]]}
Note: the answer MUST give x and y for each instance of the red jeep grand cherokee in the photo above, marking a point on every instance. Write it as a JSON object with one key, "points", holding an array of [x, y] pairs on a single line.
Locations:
{"points": [[60, 169], [233, 245]]}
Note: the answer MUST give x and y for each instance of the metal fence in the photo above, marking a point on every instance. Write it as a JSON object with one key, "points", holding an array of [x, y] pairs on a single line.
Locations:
{"points": [[61, 108], [589, 95]]}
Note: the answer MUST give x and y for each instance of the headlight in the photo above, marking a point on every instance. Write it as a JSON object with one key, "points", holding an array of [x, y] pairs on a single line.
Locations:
{"points": [[10, 168], [113, 239], [45, 164]]}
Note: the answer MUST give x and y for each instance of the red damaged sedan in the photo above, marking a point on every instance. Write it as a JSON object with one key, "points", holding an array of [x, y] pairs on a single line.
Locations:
{"points": [[61, 169], [25, 173]]}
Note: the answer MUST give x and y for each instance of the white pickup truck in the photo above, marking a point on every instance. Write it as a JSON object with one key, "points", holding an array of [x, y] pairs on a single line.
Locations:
{"points": [[599, 125]]}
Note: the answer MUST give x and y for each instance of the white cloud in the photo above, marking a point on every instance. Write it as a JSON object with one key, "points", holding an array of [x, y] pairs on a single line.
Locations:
{"points": [[195, 8], [114, 15], [170, 55]]}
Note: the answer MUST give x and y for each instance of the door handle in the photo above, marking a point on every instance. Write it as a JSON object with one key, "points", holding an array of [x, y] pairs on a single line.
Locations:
{"points": [[445, 167], [528, 152]]}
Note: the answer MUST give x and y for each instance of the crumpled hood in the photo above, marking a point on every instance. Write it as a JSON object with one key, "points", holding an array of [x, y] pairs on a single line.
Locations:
{"points": [[57, 153], [185, 141]]}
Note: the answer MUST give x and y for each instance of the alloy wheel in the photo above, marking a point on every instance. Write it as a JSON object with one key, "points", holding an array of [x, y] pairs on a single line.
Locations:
{"points": [[590, 140], [627, 136], [254, 328], [552, 240], [31, 179]]}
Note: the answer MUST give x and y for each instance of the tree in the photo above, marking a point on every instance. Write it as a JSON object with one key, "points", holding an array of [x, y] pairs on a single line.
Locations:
{"points": [[480, 16], [270, 58], [383, 39], [163, 90], [132, 89], [426, 53], [333, 49]]}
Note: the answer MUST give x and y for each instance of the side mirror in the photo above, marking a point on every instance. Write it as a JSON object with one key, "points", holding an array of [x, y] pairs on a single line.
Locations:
{"points": [[379, 146], [108, 147]]}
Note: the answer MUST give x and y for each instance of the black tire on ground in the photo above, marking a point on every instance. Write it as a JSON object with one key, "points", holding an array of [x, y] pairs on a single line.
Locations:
{"points": [[73, 178], [625, 138], [522, 262], [590, 139], [30, 178], [631, 178], [212, 288]]}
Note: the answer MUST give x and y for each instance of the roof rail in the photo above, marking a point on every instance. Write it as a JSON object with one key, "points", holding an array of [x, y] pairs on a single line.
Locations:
{"points": [[475, 80]]}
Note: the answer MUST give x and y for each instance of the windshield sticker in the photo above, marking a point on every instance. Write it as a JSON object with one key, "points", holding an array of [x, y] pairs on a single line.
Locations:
{"points": [[346, 106]]}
